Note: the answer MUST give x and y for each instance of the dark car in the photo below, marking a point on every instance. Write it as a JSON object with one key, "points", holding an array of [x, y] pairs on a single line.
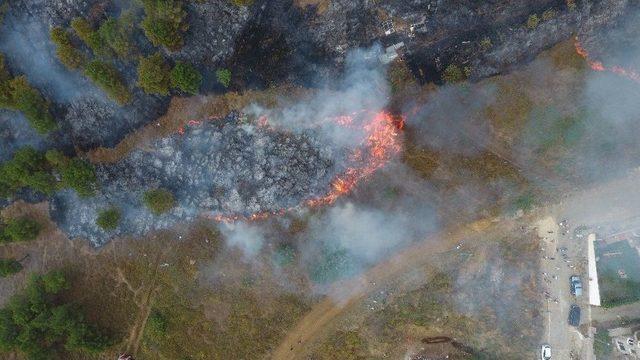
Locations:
{"points": [[576, 285], [574, 315]]}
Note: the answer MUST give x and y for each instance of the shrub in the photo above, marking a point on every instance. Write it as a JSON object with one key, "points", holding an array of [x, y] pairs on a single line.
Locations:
{"points": [[41, 324], [109, 219], [68, 55], [157, 325], [22, 229], [116, 35], [159, 201], [548, 14], [533, 21], [18, 95], [186, 78], [164, 23], [27, 168], [9, 267], [90, 37], [242, 2], [109, 80], [153, 75], [79, 175], [453, 74], [224, 77], [486, 43]]}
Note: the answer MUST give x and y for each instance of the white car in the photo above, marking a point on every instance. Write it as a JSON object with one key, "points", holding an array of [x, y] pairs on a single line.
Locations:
{"points": [[545, 352]]}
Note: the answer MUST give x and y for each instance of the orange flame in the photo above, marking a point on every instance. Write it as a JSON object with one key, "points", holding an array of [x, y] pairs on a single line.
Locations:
{"points": [[380, 144], [599, 66]]}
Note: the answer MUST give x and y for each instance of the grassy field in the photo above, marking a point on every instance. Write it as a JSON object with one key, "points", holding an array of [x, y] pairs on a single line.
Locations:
{"points": [[616, 290]]}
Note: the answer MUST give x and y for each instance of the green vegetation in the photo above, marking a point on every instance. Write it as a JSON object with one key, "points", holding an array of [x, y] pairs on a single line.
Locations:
{"points": [[109, 219], [20, 229], [602, 344], [347, 345], [9, 267], [224, 77], [40, 324], [157, 325], [242, 2], [68, 55], [164, 23], [186, 78], [28, 168], [153, 75], [485, 43], [524, 202], [533, 21], [333, 264], [453, 74], [108, 79], [284, 255], [159, 201], [116, 33], [91, 37]]}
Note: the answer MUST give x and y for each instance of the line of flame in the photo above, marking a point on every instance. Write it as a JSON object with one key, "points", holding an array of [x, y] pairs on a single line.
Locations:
{"points": [[599, 66]]}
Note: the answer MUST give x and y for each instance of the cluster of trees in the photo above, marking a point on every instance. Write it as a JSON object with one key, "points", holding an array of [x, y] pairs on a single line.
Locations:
{"points": [[164, 23], [42, 324], [19, 229], [108, 219], [9, 267], [159, 201], [156, 77], [30, 168], [16, 94]]}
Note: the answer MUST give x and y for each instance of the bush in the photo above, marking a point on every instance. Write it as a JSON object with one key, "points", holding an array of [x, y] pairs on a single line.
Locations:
{"points": [[90, 37], [533, 21], [109, 80], [453, 74], [242, 2], [153, 75], [68, 55], [548, 14], [157, 325], [41, 324], [159, 201], [17, 94], [186, 78], [28, 168], [486, 43], [79, 175], [22, 229], [164, 23], [116, 35], [9, 267], [109, 219], [224, 77]]}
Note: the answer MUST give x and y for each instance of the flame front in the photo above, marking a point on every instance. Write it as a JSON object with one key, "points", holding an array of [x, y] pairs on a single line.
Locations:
{"points": [[599, 66]]}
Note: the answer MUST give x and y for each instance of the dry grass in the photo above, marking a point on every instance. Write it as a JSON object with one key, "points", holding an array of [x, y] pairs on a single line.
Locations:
{"points": [[321, 5]]}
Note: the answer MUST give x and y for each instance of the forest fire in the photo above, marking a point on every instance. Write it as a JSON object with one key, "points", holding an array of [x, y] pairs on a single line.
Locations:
{"points": [[381, 142], [599, 66]]}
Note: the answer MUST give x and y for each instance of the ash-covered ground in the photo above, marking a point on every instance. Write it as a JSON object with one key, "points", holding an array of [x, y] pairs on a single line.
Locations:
{"points": [[222, 167]]}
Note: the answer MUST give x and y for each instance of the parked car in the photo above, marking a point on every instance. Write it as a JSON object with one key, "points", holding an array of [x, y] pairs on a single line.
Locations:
{"points": [[576, 285], [545, 352], [574, 315]]}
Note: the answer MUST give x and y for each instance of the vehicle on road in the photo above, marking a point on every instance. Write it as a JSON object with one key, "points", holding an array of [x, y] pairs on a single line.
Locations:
{"points": [[574, 315], [576, 285], [545, 352]]}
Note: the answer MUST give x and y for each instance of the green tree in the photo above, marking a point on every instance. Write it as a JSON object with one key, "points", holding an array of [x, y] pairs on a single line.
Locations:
{"points": [[164, 23], [117, 36], [159, 201], [41, 324], [224, 77], [28, 168], [157, 325], [108, 79], [80, 176], [9, 267], [108, 219], [91, 37], [533, 21], [186, 78], [22, 229], [66, 52], [17, 94], [153, 75], [453, 74]]}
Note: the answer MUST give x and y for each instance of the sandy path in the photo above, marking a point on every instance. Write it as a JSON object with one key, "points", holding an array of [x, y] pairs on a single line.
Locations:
{"points": [[315, 323]]}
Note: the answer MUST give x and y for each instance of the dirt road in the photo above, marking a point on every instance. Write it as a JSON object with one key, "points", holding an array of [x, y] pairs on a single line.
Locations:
{"points": [[346, 294]]}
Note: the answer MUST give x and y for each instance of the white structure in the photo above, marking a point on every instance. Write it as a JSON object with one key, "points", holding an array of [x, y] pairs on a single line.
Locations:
{"points": [[391, 53], [594, 289]]}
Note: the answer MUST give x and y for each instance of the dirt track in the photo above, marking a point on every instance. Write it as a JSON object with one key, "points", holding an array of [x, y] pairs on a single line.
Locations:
{"points": [[314, 324]]}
